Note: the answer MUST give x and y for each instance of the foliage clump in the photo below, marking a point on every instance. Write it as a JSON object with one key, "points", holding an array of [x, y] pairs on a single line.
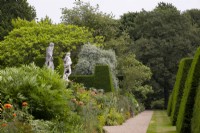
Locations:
{"points": [[42, 88]]}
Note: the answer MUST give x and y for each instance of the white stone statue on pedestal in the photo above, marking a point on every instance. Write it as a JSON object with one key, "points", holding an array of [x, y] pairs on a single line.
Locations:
{"points": [[49, 56], [67, 66]]}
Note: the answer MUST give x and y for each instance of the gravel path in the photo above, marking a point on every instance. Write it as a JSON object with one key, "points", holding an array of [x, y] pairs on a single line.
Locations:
{"points": [[137, 124]]}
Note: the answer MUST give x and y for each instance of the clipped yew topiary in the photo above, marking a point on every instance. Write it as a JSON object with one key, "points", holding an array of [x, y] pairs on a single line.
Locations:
{"points": [[101, 79], [87, 80], [169, 106], [187, 102], [195, 125], [181, 76]]}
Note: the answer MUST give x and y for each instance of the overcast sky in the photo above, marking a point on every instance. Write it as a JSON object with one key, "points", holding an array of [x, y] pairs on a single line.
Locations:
{"points": [[52, 8]]}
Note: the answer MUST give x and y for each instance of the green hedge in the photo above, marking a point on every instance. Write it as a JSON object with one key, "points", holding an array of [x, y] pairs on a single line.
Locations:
{"points": [[87, 80], [101, 79], [187, 102], [195, 126], [181, 76], [58, 64], [169, 106]]}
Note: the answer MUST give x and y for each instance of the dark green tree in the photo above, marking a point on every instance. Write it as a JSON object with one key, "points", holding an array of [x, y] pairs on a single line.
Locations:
{"points": [[127, 23], [194, 16], [161, 38], [12, 9]]}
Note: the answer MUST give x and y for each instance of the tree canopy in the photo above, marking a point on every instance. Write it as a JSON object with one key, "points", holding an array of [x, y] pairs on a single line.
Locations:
{"points": [[12, 9], [83, 14]]}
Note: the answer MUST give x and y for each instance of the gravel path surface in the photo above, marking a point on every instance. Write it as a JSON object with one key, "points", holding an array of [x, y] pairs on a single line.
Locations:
{"points": [[137, 124]]}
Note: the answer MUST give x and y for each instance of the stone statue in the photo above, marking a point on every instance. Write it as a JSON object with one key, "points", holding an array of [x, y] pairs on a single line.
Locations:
{"points": [[49, 56], [67, 66]]}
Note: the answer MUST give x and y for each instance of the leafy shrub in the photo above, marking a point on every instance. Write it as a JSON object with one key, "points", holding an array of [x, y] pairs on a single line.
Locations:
{"points": [[158, 104], [72, 123], [114, 117], [181, 76], [41, 88], [102, 122], [187, 101]]}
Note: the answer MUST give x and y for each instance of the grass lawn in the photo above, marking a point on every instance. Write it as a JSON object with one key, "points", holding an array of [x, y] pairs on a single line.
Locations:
{"points": [[160, 123]]}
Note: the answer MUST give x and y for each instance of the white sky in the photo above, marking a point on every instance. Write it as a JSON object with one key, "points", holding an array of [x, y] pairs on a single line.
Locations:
{"points": [[52, 8]]}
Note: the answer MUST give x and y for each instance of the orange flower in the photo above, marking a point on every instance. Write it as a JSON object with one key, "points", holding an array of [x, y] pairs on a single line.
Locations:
{"points": [[4, 125], [24, 104], [14, 115], [7, 106]]}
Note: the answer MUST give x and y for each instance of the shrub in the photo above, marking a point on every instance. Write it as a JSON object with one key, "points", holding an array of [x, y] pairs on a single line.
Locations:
{"points": [[181, 76], [169, 106], [195, 125], [114, 118], [187, 101], [158, 104], [41, 88], [100, 80]]}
